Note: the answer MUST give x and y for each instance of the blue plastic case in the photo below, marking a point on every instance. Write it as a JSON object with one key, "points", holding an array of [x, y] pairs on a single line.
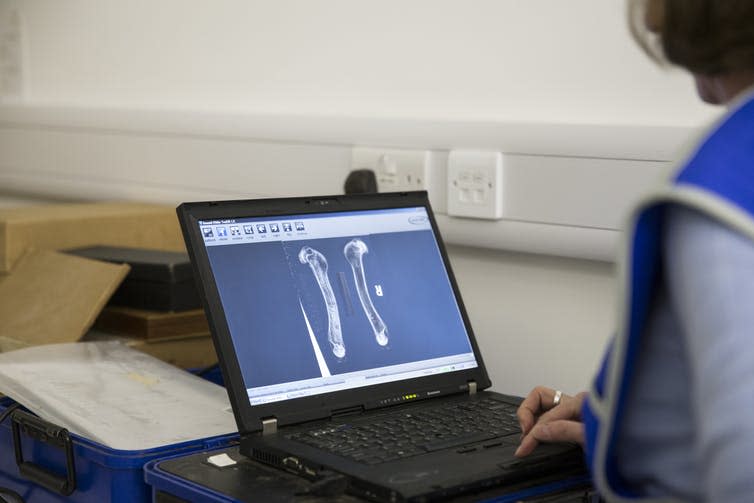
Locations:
{"points": [[56, 466]]}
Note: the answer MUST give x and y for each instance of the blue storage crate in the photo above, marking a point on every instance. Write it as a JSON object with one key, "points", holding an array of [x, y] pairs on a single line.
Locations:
{"points": [[56, 466]]}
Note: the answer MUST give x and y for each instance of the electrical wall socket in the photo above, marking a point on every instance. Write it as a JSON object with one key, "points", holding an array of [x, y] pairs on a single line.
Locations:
{"points": [[11, 54], [396, 170], [475, 184]]}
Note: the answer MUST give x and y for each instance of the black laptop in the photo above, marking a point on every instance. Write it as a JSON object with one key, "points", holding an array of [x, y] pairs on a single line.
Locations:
{"points": [[346, 348]]}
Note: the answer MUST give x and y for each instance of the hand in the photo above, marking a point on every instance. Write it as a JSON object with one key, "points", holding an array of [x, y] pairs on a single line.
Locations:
{"points": [[542, 422]]}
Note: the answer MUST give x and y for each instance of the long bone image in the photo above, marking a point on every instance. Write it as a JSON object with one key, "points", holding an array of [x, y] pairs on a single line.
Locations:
{"points": [[318, 264], [354, 251]]}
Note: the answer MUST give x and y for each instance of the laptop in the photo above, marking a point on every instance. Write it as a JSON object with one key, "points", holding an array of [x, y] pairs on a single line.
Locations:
{"points": [[346, 349]]}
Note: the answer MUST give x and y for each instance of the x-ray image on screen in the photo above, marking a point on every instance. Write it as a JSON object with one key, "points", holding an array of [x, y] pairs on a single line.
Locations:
{"points": [[305, 308], [354, 252], [318, 264], [349, 318]]}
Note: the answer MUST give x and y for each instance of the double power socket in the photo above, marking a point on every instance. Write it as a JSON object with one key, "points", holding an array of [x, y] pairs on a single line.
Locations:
{"points": [[474, 179]]}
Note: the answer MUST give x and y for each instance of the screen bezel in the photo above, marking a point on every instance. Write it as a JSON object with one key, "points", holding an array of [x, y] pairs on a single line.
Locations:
{"points": [[249, 418]]}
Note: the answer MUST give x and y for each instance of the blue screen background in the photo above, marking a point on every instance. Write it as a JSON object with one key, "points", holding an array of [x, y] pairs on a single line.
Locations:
{"points": [[263, 287]]}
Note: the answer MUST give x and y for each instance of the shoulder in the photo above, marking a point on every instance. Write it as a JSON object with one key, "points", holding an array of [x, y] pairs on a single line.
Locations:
{"points": [[696, 235], [708, 266], [731, 137], [723, 163]]}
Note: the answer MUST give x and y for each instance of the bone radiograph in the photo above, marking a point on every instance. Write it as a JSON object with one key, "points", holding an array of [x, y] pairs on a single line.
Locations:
{"points": [[278, 314], [318, 264], [354, 251]]}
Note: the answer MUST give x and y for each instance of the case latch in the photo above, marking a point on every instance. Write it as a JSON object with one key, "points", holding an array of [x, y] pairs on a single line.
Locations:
{"points": [[472, 387], [47, 433]]}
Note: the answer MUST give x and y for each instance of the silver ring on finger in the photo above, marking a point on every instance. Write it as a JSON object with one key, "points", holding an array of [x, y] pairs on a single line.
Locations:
{"points": [[558, 397]]}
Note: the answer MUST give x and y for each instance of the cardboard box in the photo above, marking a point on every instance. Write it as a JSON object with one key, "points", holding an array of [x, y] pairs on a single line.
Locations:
{"points": [[47, 296], [52, 297], [63, 226]]}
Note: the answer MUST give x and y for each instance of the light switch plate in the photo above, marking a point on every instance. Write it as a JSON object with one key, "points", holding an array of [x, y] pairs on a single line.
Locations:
{"points": [[475, 184]]}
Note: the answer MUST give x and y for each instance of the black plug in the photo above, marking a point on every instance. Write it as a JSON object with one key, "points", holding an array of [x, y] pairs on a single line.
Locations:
{"points": [[361, 181]]}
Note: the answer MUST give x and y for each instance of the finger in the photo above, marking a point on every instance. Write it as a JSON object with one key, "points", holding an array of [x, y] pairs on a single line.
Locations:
{"points": [[555, 431], [535, 403], [564, 431], [569, 408]]}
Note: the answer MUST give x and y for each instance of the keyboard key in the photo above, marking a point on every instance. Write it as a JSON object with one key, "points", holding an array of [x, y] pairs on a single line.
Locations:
{"points": [[398, 435]]}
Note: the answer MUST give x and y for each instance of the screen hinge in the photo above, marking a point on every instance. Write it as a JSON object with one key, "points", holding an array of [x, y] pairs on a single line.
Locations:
{"points": [[269, 425], [472, 387]]}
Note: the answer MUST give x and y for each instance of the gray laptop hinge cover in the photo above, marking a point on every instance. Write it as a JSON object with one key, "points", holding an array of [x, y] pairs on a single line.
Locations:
{"points": [[269, 426], [472, 387]]}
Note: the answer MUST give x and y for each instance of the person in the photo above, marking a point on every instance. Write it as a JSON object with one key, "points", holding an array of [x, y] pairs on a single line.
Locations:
{"points": [[669, 415]]}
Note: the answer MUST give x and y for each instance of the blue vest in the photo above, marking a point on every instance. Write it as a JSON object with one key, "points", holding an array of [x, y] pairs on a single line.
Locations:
{"points": [[718, 180]]}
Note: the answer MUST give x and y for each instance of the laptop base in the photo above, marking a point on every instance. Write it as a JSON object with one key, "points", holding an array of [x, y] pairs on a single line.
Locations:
{"points": [[449, 472]]}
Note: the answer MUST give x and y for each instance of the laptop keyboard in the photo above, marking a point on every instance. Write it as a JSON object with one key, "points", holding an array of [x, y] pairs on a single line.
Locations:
{"points": [[410, 433]]}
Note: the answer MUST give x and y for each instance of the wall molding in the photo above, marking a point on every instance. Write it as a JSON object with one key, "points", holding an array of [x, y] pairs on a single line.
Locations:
{"points": [[610, 141], [580, 177]]}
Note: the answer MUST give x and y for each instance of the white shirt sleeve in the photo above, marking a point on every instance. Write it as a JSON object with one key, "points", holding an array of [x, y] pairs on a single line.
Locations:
{"points": [[710, 273]]}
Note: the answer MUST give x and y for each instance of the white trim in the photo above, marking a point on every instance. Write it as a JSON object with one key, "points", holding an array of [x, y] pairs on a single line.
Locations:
{"points": [[608, 141], [531, 237]]}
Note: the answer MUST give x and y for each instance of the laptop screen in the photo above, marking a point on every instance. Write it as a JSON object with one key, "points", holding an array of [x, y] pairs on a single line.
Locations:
{"points": [[324, 302]]}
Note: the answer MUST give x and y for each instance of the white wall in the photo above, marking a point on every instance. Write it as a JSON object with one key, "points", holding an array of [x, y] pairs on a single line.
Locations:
{"points": [[482, 73], [539, 320], [538, 60]]}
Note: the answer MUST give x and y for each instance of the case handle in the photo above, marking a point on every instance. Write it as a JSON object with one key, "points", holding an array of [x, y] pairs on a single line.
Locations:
{"points": [[48, 433]]}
